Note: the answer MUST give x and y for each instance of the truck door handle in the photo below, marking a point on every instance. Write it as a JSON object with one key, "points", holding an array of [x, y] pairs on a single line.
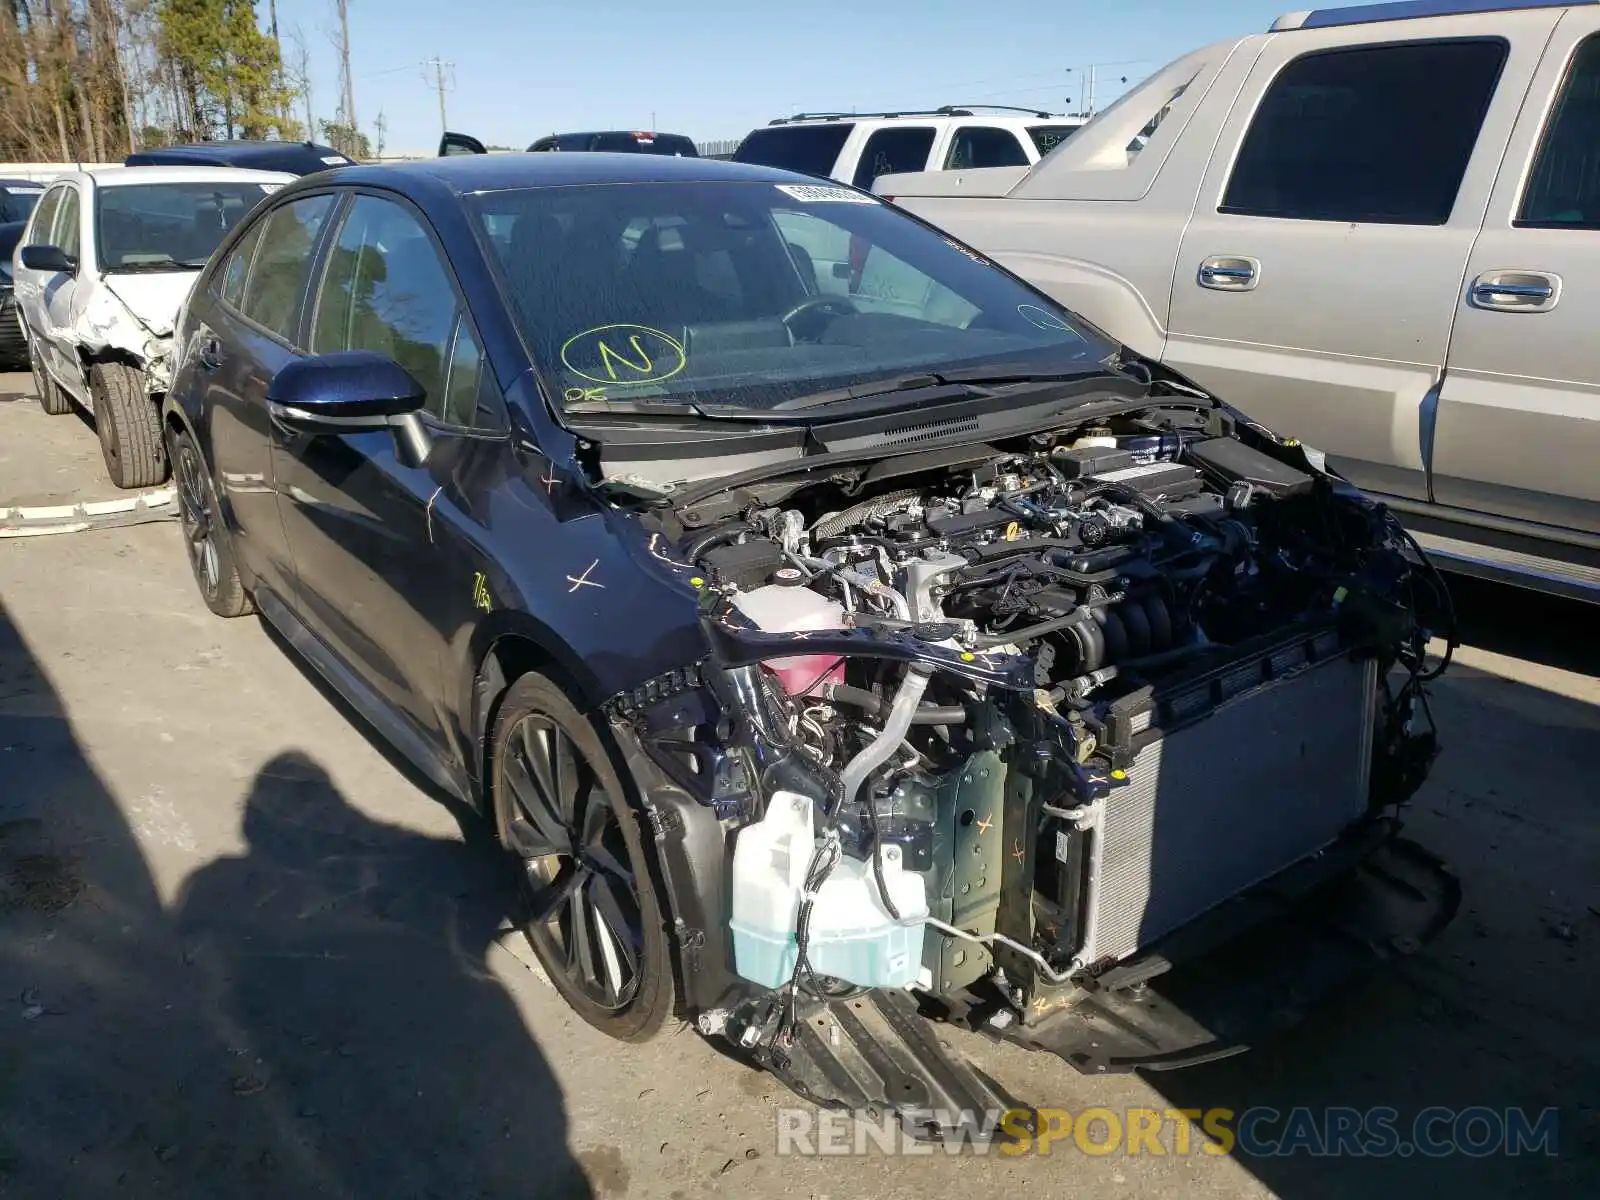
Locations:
{"points": [[1516, 291], [1230, 273]]}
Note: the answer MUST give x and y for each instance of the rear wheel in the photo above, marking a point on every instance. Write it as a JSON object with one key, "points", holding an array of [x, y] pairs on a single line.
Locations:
{"points": [[588, 904], [129, 425], [205, 537], [51, 398]]}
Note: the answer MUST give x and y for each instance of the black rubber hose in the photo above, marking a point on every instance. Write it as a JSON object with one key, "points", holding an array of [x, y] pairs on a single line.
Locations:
{"points": [[929, 714], [1075, 617], [711, 537]]}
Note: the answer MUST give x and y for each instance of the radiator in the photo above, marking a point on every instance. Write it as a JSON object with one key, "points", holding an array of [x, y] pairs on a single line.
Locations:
{"points": [[1273, 774]]}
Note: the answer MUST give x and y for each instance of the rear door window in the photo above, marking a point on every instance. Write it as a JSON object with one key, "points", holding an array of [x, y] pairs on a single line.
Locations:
{"points": [[1564, 186], [231, 277], [892, 151], [282, 268], [975, 146], [808, 149], [1379, 134]]}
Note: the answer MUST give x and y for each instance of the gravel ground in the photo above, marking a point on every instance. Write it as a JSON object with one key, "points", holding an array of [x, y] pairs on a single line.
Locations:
{"points": [[245, 953]]}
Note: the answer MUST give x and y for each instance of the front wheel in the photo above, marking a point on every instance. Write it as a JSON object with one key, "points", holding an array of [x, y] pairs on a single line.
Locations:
{"points": [[129, 425], [589, 906]]}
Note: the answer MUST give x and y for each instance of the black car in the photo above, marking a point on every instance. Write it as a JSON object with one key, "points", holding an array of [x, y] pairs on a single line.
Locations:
{"points": [[609, 141], [17, 198], [832, 651], [294, 158], [13, 343]]}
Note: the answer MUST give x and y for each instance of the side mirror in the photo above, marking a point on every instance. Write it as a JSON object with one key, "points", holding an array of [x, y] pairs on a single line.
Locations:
{"points": [[48, 258], [352, 391]]}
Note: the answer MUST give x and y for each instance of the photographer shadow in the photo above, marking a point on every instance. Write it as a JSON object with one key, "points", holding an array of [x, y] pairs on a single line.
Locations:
{"points": [[343, 962]]}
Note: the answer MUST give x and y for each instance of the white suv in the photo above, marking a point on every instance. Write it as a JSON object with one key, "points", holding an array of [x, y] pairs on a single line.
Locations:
{"points": [[858, 147], [101, 272]]}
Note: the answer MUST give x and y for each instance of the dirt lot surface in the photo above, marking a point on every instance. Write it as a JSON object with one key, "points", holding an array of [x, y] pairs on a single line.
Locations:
{"points": [[243, 953]]}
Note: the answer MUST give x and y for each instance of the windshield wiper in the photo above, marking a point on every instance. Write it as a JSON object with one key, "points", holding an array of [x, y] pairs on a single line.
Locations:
{"points": [[975, 383], [150, 268]]}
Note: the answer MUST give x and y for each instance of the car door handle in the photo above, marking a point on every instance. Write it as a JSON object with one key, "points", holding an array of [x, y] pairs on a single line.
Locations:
{"points": [[1516, 291], [1230, 273]]}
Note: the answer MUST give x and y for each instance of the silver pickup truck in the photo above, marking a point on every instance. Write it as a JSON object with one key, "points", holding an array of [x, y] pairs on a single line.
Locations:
{"points": [[1376, 229]]}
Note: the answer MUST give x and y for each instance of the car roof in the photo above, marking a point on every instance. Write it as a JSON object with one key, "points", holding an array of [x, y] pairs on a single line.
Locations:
{"points": [[129, 176], [299, 158], [951, 112], [465, 173], [654, 133]]}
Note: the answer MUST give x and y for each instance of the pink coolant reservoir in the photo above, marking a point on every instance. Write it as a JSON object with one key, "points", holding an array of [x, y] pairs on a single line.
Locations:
{"points": [[787, 606]]}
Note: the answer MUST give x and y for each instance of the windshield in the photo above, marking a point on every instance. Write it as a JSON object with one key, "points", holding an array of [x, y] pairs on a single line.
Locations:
{"points": [[749, 295], [808, 149], [168, 226]]}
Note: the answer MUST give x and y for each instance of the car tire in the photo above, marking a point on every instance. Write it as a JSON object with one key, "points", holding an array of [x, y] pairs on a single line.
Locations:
{"points": [[129, 425], [588, 904], [205, 536], [52, 399]]}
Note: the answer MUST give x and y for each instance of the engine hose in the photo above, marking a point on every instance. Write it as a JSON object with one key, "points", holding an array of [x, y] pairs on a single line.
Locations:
{"points": [[874, 585], [880, 506], [877, 752], [881, 748], [927, 714], [722, 533], [1077, 616]]}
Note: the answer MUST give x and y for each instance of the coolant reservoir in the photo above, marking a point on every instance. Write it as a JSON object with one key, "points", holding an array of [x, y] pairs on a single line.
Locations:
{"points": [[779, 609], [852, 936]]}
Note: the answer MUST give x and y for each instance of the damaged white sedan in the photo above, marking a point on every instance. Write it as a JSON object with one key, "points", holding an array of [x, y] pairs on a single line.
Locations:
{"points": [[102, 272]]}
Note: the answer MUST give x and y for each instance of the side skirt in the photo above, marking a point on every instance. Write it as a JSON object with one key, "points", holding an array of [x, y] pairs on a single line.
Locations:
{"points": [[396, 730]]}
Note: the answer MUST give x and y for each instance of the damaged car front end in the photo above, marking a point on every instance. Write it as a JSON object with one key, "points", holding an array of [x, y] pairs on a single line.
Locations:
{"points": [[1095, 740]]}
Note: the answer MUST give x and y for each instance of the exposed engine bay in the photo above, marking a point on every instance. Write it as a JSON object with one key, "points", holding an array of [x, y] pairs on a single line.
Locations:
{"points": [[1015, 717]]}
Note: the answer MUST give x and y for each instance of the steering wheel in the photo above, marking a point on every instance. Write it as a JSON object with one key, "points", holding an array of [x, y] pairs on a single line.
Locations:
{"points": [[831, 307]]}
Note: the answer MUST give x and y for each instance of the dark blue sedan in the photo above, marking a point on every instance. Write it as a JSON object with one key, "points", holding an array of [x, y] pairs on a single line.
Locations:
{"points": [[837, 630]]}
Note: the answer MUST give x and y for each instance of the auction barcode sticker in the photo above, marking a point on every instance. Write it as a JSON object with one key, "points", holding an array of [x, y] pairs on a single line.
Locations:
{"points": [[811, 193]]}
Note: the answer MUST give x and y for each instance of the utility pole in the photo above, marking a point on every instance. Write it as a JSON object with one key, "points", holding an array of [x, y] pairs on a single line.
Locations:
{"points": [[438, 83], [348, 101], [381, 127]]}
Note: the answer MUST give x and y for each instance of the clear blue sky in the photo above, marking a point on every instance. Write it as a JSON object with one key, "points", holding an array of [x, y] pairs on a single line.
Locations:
{"points": [[714, 68]]}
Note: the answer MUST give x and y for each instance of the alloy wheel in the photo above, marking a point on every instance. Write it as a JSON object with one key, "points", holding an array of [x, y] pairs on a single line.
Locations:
{"points": [[578, 878], [195, 514]]}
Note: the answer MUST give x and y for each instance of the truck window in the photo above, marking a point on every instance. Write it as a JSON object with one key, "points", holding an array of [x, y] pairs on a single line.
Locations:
{"points": [[984, 146], [808, 149], [1378, 133], [893, 150], [1564, 187]]}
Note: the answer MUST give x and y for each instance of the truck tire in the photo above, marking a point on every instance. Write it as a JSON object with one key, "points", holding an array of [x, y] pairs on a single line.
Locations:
{"points": [[52, 399], [129, 425]]}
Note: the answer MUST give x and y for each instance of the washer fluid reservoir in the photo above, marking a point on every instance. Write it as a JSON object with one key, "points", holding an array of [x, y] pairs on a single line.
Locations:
{"points": [[852, 935]]}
